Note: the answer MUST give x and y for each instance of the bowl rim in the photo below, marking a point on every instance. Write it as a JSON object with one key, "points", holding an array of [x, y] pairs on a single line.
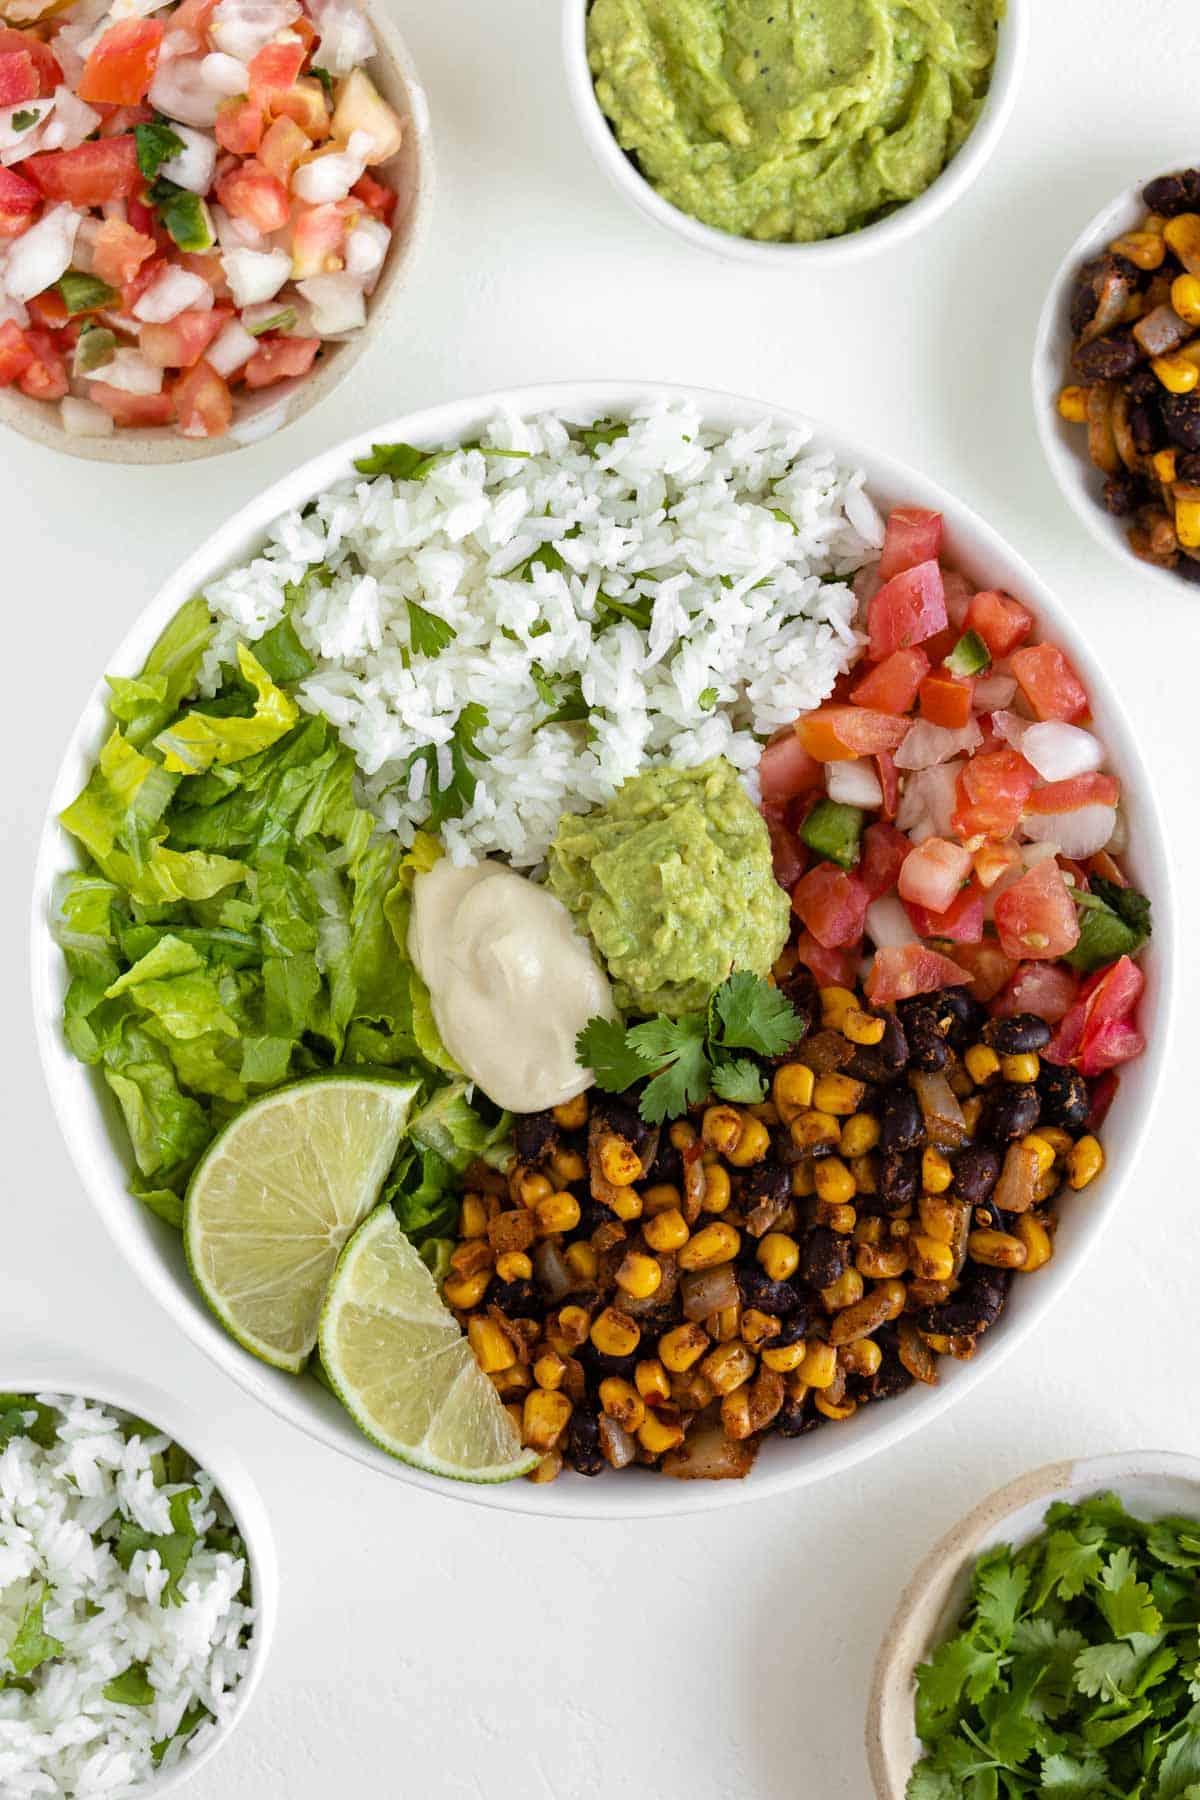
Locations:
{"points": [[1069, 464], [947, 187], [914, 1625], [90, 1143], [54, 1372], [163, 446]]}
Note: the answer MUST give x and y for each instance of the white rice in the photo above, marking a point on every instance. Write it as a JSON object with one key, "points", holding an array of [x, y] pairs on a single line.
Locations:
{"points": [[61, 1510], [739, 541]]}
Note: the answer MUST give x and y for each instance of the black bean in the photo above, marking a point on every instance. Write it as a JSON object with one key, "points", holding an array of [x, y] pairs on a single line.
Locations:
{"points": [[795, 1418], [1064, 1096], [1188, 567], [793, 1329], [597, 1362], [976, 1172], [977, 1305], [619, 1112], [765, 1182], [1094, 280], [1109, 357], [990, 1218], [824, 1257], [899, 1177], [667, 1167], [582, 1447], [1123, 494], [901, 1121], [800, 987], [774, 1297], [592, 1214], [516, 1299], [1146, 429], [1012, 1110], [1173, 194], [1181, 416], [927, 1048], [536, 1135], [1187, 466], [959, 1016], [890, 1378], [884, 1061], [1017, 1034]]}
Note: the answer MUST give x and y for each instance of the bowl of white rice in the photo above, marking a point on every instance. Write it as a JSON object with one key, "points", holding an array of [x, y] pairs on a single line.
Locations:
{"points": [[748, 494], [138, 1588]]}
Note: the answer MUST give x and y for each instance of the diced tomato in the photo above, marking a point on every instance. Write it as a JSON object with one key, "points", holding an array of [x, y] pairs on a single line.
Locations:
{"points": [[252, 193], [89, 175], [789, 858], [182, 341], [49, 309], [839, 733], [318, 238], [999, 620], [46, 65], [19, 201], [832, 904], [208, 265], [891, 686], [913, 536], [121, 67], [786, 769], [1036, 916], [1107, 868], [946, 699], [119, 252], [1069, 796], [194, 16], [933, 873], [18, 77], [962, 921], [203, 403], [958, 591], [906, 610], [986, 965], [889, 782], [282, 147], [45, 377], [239, 126], [280, 359], [991, 792], [375, 197], [16, 353], [993, 860], [140, 216], [304, 102], [829, 968], [143, 277], [1102, 1091], [903, 970], [119, 119], [1049, 683], [883, 852], [132, 409], [1046, 989], [273, 70], [1099, 1032]]}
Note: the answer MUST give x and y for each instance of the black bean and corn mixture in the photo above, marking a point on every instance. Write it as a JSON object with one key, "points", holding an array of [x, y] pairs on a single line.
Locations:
{"points": [[669, 1295], [1135, 321]]}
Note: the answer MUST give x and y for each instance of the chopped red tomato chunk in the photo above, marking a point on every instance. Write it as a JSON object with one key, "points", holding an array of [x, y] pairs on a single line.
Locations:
{"points": [[90, 175], [45, 378], [786, 769], [182, 341], [884, 850], [1036, 916], [913, 536], [119, 252], [46, 65], [239, 126], [1069, 796], [280, 359], [933, 873], [19, 202], [961, 922], [829, 968], [945, 699], [991, 792], [132, 409], [16, 353], [832, 904], [252, 193], [891, 686], [1044, 988], [906, 611], [18, 77], [1000, 621], [907, 969], [1049, 683], [986, 966], [203, 402], [121, 67], [1099, 1032], [840, 733]]}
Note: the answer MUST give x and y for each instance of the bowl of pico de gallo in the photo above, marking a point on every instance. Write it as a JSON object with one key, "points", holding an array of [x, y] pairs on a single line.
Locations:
{"points": [[204, 214]]}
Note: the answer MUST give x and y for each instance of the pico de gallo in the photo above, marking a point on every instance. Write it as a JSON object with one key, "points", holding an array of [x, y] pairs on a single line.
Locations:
{"points": [[948, 815], [191, 204]]}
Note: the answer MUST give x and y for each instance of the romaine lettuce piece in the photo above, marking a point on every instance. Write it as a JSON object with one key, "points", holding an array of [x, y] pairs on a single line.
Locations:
{"points": [[196, 740]]}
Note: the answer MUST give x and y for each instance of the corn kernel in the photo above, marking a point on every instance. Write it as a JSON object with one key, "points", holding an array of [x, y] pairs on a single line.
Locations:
{"points": [[627, 1204], [981, 1063], [778, 1255], [1145, 249], [810, 1130], [1175, 373], [729, 1365], [712, 1244], [493, 1348], [531, 1188], [650, 1379], [682, 1135], [1185, 298], [836, 1005], [549, 1369], [792, 1090], [582, 1261], [557, 1212], [548, 1469], [572, 1114], [1182, 233], [573, 1324], [619, 1161], [841, 1219], [1059, 1140], [929, 1259], [684, 1345], [820, 1366], [1039, 1246], [860, 1133], [1072, 405], [972, 1112], [758, 1328], [511, 1383], [472, 1217], [752, 1145], [567, 1166], [1187, 518], [543, 1419], [614, 1333], [639, 1275], [838, 1094], [466, 1291], [996, 1249], [469, 1257], [725, 1324], [1084, 1162], [846, 1291], [1021, 1069], [835, 1183], [514, 1265], [865, 1171], [862, 1357], [786, 1358], [1164, 460], [721, 1128], [879, 1262], [663, 1197], [666, 1231], [936, 1173], [1042, 1150], [660, 1431], [513, 1409], [803, 1182], [717, 1189], [862, 1027], [836, 1409], [622, 1402]]}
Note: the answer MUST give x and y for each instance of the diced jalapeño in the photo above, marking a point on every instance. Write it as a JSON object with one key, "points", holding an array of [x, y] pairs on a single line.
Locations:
{"points": [[833, 831]]}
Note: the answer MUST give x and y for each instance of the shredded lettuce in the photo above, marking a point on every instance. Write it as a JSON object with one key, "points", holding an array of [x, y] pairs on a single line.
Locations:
{"points": [[457, 1131]]}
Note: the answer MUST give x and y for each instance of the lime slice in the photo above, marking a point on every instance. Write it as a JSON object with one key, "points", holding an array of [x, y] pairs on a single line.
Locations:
{"points": [[276, 1196], [402, 1368]]}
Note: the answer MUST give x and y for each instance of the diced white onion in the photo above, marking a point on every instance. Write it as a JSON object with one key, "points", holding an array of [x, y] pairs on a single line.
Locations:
{"points": [[174, 292], [224, 74], [1009, 726], [1044, 850], [189, 89], [235, 234], [41, 254], [853, 783], [994, 691], [12, 136], [231, 349], [192, 168], [366, 250], [928, 744], [85, 238], [337, 303], [888, 925], [83, 418], [129, 371], [331, 174], [1058, 751], [346, 38], [927, 801], [262, 315], [1077, 834], [255, 275], [70, 124], [242, 27], [14, 310]]}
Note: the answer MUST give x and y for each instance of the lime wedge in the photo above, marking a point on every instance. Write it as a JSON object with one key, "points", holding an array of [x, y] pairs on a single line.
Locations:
{"points": [[402, 1368], [276, 1196]]}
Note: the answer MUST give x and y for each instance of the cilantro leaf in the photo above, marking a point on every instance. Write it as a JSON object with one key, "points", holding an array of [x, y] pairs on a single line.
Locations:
{"points": [[707, 699], [638, 612], [1175, 1542], [131, 1687], [567, 704], [1181, 1764], [21, 121], [452, 800], [1068, 1778], [428, 633], [602, 1047], [1125, 1601], [603, 432], [31, 1646], [677, 1047], [739, 1080], [14, 1409], [403, 462], [174, 1548], [156, 144], [324, 77], [753, 1015], [1072, 1558], [999, 1589]]}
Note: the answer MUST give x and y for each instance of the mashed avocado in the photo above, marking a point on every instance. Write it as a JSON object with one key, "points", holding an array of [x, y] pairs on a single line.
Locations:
{"points": [[673, 882], [791, 119]]}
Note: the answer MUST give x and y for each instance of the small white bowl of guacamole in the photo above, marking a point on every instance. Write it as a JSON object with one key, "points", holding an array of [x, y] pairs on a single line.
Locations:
{"points": [[788, 143]]}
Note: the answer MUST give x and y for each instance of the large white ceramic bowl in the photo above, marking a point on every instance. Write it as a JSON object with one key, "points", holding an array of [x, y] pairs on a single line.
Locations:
{"points": [[88, 1115], [1065, 445], [1153, 1484], [949, 186], [203, 1441]]}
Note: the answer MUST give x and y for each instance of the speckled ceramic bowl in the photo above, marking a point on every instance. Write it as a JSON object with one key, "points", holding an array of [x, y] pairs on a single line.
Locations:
{"points": [[1151, 1483], [259, 415]]}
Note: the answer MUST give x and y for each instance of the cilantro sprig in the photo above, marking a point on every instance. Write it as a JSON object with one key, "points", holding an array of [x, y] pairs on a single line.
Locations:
{"points": [[1075, 1669], [690, 1057]]}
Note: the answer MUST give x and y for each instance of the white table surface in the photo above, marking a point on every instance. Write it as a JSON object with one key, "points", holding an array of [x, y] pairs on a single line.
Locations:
{"points": [[430, 1648]]}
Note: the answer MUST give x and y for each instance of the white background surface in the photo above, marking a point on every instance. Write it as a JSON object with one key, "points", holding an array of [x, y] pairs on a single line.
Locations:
{"points": [[429, 1648]]}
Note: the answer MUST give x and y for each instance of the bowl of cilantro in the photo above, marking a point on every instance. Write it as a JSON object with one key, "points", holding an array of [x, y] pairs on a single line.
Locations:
{"points": [[1048, 1644]]}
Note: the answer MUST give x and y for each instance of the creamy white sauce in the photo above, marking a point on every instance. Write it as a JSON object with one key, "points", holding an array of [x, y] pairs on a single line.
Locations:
{"points": [[511, 980]]}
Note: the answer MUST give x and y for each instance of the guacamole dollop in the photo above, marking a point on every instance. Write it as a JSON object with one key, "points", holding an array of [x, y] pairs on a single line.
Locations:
{"points": [[672, 880], [791, 119]]}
